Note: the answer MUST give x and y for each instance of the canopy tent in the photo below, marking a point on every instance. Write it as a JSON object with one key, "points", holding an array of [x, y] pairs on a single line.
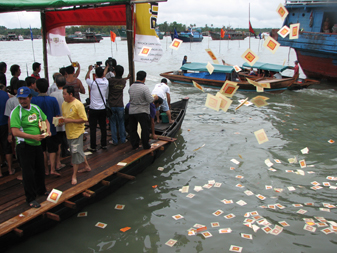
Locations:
{"points": [[55, 13], [38, 5], [267, 66], [197, 66]]}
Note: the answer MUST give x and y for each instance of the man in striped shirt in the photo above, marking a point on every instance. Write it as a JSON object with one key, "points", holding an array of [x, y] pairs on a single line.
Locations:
{"points": [[139, 111]]}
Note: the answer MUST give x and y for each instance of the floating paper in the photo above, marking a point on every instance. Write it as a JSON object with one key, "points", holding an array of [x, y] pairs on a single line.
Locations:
{"points": [[171, 242], [242, 103], [125, 229], [284, 31], [177, 217], [225, 102], [235, 161], [119, 207], [101, 225], [206, 234], [213, 102], [261, 136], [198, 86], [210, 53], [271, 44], [247, 236], [210, 68], [225, 230], [235, 248], [121, 164], [259, 102], [237, 68], [250, 57], [176, 43], [294, 31], [302, 164], [282, 11], [229, 88], [305, 151], [54, 195], [82, 214]]}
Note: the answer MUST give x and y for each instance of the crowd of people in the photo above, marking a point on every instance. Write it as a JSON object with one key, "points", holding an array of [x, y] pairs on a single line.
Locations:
{"points": [[28, 109]]}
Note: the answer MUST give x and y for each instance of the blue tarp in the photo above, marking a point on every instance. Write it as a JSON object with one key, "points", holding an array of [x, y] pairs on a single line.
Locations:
{"points": [[267, 66]]}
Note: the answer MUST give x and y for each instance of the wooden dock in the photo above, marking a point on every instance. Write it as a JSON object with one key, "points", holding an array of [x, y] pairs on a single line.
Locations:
{"points": [[18, 221]]}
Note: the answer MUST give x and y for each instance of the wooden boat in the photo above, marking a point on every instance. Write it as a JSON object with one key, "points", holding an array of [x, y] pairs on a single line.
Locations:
{"points": [[229, 35], [268, 71], [18, 221], [122, 33], [198, 72]]}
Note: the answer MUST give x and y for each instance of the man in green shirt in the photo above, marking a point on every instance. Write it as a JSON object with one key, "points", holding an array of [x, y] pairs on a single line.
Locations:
{"points": [[24, 122]]}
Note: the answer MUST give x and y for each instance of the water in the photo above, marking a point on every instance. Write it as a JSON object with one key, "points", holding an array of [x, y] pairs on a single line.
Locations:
{"points": [[293, 120]]}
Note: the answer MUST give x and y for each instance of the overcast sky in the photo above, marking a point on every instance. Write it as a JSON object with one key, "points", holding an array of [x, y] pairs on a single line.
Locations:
{"points": [[200, 12]]}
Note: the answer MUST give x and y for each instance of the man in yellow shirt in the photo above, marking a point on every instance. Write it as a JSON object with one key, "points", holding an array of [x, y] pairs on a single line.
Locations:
{"points": [[74, 118]]}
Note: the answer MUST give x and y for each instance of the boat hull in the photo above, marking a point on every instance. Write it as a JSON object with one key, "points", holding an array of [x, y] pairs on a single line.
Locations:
{"points": [[78, 41], [216, 36], [189, 38], [277, 86]]}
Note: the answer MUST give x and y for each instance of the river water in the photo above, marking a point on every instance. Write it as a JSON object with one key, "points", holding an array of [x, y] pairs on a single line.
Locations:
{"points": [[292, 121]]}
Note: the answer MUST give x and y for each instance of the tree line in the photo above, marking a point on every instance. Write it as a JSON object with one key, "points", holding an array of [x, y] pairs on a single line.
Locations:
{"points": [[164, 27]]}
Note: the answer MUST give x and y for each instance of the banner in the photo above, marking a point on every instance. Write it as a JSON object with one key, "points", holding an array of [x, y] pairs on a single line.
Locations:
{"points": [[56, 41], [146, 36]]}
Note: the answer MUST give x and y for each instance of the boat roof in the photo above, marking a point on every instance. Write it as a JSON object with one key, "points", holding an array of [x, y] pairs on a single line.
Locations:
{"points": [[198, 66], [267, 66]]}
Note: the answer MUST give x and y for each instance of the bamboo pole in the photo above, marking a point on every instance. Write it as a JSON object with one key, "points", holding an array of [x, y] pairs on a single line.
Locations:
{"points": [[44, 43], [129, 36]]}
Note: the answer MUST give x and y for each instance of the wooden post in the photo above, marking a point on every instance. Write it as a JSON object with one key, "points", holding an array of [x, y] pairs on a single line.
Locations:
{"points": [[130, 177], [44, 43], [129, 36]]}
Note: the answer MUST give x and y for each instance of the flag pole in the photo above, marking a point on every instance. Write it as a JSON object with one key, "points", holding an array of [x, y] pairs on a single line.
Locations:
{"points": [[31, 37], [220, 42], [249, 22], [111, 48]]}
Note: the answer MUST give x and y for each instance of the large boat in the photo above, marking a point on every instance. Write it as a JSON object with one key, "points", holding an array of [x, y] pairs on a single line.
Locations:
{"points": [[316, 47], [88, 37], [198, 72], [111, 169], [229, 35], [189, 36], [122, 33]]}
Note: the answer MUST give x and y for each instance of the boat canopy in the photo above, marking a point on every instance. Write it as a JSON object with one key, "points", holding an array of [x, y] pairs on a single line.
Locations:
{"points": [[197, 66], [267, 66]]}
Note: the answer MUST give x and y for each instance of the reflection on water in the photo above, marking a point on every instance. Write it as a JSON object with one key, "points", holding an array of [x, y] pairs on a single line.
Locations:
{"points": [[293, 120]]}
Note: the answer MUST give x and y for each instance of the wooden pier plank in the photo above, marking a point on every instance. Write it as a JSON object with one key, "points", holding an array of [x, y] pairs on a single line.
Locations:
{"points": [[32, 213]]}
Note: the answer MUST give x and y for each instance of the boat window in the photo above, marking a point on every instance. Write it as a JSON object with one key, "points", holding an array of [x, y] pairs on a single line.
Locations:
{"points": [[293, 13], [303, 14]]}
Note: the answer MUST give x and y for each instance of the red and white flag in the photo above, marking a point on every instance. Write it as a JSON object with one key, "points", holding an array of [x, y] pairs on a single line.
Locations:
{"points": [[56, 41]]}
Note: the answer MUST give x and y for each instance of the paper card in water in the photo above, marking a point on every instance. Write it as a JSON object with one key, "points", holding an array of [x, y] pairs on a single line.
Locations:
{"points": [[101, 225], [225, 102], [284, 31], [171, 242], [176, 43], [235, 248], [229, 88], [213, 102], [198, 86], [261, 136]]}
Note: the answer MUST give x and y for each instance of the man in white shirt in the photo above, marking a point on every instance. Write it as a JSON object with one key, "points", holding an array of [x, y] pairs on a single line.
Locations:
{"points": [[98, 90], [163, 90]]}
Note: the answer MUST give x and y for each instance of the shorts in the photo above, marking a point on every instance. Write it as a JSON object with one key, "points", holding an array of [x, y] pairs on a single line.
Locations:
{"points": [[76, 150], [164, 106], [5, 145], [51, 144]]}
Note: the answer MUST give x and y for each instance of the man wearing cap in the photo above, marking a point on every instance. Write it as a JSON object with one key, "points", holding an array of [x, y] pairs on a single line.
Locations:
{"points": [[24, 122]]}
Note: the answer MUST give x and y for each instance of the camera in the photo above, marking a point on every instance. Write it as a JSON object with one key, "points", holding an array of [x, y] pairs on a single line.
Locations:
{"points": [[111, 63]]}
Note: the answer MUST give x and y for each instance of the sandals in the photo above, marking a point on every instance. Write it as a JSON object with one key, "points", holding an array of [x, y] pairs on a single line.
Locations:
{"points": [[34, 204]]}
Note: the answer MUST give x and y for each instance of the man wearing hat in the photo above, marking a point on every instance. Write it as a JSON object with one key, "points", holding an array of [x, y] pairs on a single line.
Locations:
{"points": [[24, 122]]}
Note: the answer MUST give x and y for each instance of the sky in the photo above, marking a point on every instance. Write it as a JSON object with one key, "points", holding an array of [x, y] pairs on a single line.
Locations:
{"points": [[200, 12]]}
